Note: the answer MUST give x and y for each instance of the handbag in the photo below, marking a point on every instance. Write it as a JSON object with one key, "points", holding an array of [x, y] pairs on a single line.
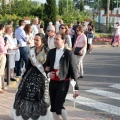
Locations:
{"points": [[76, 51], [90, 35], [17, 55]]}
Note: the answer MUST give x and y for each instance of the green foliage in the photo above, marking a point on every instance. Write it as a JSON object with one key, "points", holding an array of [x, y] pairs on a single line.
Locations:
{"points": [[7, 17], [63, 6], [113, 4], [18, 9], [103, 35], [81, 5], [74, 16], [50, 11]]}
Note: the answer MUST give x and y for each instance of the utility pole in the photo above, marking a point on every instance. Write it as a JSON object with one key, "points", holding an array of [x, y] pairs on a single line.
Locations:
{"points": [[107, 17]]}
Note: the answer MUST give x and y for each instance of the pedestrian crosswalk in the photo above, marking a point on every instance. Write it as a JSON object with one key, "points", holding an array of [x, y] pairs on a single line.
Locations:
{"points": [[90, 102]]}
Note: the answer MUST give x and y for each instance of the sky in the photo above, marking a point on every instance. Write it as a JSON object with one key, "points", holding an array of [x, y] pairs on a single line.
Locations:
{"points": [[42, 1]]}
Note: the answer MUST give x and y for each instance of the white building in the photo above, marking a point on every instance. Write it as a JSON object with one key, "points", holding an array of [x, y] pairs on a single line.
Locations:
{"points": [[114, 17]]}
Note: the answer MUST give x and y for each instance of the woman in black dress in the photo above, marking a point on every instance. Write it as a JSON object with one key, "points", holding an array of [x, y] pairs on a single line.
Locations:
{"points": [[32, 98]]}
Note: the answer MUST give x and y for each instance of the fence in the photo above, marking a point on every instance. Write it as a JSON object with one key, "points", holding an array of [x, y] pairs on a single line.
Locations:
{"points": [[101, 27]]}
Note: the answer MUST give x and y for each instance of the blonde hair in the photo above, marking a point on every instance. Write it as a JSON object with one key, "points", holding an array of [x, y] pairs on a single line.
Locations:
{"points": [[8, 27]]}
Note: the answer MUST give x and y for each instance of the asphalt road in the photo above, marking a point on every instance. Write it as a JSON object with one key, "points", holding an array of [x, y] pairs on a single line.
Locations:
{"points": [[100, 87]]}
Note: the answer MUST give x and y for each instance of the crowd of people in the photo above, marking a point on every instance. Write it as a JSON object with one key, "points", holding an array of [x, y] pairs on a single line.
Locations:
{"points": [[46, 61]]}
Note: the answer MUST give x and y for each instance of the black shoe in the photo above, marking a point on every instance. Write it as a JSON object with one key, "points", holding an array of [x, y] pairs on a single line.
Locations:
{"points": [[13, 79], [80, 77]]}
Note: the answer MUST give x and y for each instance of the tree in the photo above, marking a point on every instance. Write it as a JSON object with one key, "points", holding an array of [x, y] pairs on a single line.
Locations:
{"points": [[113, 4], [81, 5], [50, 11], [65, 5], [107, 17]]}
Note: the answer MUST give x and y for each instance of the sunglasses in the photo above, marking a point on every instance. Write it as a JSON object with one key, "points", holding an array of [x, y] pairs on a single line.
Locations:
{"points": [[48, 30], [63, 28]]}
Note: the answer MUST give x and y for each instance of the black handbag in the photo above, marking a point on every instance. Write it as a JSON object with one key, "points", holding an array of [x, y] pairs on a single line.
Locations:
{"points": [[77, 49]]}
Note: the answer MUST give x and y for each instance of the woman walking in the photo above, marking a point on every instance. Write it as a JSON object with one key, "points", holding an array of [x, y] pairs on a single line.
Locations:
{"points": [[31, 100], [81, 42]]}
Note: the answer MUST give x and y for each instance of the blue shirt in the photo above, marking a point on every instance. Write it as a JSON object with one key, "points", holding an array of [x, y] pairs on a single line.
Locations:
{"points": [[20, 36]]}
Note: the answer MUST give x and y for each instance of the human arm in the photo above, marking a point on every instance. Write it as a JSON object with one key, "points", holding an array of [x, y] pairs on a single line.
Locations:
{"points": [[68, 41], [23, 36], [73, 75], [84, 44], [46, 93], [3, 45], [28, 67]]}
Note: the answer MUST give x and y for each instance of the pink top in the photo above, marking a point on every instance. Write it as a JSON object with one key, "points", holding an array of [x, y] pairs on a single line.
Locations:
{"points": [[81, 40], [3, 47]]}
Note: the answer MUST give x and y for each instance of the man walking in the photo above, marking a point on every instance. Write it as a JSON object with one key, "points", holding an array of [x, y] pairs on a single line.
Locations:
{"points": [[61, 69]]}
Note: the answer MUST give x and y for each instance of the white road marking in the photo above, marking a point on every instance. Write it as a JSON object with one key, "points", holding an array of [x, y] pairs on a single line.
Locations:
{"points": [[117, 86], [95, 104], [108, 76], [105, 93]]}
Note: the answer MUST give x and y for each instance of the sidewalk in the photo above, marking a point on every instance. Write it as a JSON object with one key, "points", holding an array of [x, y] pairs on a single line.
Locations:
{"points": [[6, 101], [101, 44]]}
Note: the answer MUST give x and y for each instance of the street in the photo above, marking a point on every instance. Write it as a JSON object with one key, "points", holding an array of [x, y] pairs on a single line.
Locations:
{"points": [[100, 87]]}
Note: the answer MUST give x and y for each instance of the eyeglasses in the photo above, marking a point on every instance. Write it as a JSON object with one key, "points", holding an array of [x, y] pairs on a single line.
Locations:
{"points": [[77, 30], [63, 28]]}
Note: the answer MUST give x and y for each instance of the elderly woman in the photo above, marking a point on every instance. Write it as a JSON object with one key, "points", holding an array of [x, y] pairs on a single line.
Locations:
{"points": [[28, 31], [32, 99], [11, 50], [64, 29], [81, 42]]}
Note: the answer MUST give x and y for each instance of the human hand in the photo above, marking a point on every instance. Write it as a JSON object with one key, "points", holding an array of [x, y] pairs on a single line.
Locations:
{"points": [[47, 68], [75, 94], [28, 41], [15, 48], [52, 75], [80, 53]]}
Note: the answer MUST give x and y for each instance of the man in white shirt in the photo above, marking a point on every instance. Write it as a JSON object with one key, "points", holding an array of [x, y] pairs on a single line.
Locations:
{"points": [[61, 68], [51, 36], [34, 27]]}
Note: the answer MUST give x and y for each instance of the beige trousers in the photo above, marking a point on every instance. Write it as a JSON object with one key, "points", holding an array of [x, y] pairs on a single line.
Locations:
{"points": [[79, 64], [2, 69]]}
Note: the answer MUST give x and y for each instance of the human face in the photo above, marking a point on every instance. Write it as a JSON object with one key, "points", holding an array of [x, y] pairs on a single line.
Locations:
{"points": [[37, 41], [3, 30], [59, 43], [50, 33], [10, 31], [71, 25], [78, 31], [62, 29], [30, 30]]}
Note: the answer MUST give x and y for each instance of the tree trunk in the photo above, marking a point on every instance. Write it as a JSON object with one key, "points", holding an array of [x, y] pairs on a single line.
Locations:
{"points": [[107, 17]]}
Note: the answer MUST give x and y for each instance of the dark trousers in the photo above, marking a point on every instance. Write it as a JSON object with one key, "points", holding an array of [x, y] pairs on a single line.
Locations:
{"points": [[58, 91], [112, 40], [23, 57]]}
